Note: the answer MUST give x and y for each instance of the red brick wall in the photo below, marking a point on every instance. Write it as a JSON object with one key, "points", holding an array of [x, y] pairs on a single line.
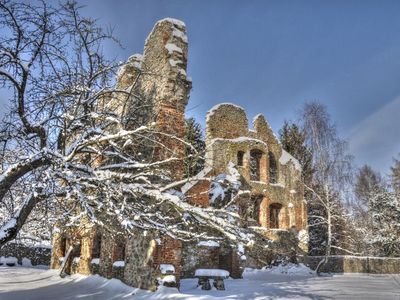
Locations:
{"points": [[198, 194], [299, 217], [171, 120], [264, 213], [170, 252], [236, 270]]}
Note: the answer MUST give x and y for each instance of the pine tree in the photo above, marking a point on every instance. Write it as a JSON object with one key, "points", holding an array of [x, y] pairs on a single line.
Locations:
{"points": [[384, 206], [194, 160], [385, 212], [368, 183], [395, 176], [293, 141]]}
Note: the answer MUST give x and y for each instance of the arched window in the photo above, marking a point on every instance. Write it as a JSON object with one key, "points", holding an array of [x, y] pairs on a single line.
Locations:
{"points": [[256, 202], [119, 250], [255, 160], [63, 246], [240, 156], [76, 252], [274, 211], [273, 168], [96, 248]]}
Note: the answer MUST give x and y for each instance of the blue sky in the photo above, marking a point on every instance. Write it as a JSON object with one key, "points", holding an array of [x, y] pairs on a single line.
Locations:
{"points": [[272, 56]]}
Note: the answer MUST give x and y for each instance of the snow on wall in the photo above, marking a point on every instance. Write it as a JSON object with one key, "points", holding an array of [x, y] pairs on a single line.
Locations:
{"points": [[38, 255], [172, 48], [202, 174], [119, 264], [177, 26], [212, 111], [174, 63], [286, 157], [173, 21], [208, 244], [242, 139], [180, 34]]}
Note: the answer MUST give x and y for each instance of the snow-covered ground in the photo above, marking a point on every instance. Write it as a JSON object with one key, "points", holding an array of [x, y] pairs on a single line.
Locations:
{"points": [[290, 283]]}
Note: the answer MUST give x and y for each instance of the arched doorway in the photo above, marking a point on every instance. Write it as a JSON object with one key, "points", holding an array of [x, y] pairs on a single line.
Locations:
{"points": [[274, 215], [255, 164], [273, 168]]}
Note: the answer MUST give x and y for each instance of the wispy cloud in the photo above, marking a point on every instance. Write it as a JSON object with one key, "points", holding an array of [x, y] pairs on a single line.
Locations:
{"points": [[376, 139]]}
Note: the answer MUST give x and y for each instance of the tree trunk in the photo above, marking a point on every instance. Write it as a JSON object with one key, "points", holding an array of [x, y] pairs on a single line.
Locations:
{"points": [[329, 232], [15, 172], [10, 230]]}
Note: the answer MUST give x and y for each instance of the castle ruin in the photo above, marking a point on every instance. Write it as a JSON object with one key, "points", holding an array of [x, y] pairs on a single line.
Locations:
{"points": [[272, 206]]}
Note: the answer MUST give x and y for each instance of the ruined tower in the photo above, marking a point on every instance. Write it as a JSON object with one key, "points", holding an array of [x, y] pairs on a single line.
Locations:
{"points": [[159, 78], [153, 91], [156, 91]]}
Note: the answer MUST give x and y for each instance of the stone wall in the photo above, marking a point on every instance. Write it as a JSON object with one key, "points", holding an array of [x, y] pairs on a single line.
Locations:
{"points": [[155, 94], [37, 255], [139, 268], [198, 194], [169, 251], [355, 264], [198, 257], [226, 121], [227, 135]]}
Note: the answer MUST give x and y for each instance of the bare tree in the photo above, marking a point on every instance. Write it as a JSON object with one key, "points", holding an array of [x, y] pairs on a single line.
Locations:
{"points": [[62, 146], [330, 181]]}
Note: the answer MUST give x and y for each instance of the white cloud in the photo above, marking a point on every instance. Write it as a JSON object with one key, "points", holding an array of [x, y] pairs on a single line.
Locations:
{"points": [[376, 139]]}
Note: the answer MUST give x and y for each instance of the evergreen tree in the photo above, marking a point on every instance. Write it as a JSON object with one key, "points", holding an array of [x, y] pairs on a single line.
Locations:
{"points": [[194, 160], [293, 141], [385, 212], [395, 176], [368, 183]]}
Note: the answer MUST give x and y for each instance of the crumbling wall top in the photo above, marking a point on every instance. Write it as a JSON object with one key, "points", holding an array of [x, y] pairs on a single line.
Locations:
{"points": [[227, 121], [129, 71]]}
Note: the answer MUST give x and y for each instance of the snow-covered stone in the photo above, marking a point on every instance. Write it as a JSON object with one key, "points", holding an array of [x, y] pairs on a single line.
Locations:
{"points": [[26, 262], [211, 273], [169, 279], [10, 261], [167, 269], [119, 264], [208, 244], [172, 48], [286, 157]]}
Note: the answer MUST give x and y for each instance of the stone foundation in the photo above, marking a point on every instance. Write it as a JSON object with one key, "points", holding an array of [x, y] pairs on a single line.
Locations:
{"points": [[355, 264], [37, 255]]}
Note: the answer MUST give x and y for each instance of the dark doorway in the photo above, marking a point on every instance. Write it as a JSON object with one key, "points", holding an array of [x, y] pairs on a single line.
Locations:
{"points": [[274, 215], [255, 160], [273, 168]]}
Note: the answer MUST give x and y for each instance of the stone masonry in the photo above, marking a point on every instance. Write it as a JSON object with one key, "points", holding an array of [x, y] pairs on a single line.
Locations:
{"points": [[157, 92], [272, 174]]}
